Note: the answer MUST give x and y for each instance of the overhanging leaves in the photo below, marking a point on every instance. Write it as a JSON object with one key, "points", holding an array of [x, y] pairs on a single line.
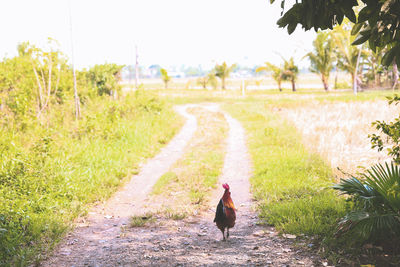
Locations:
{"points": [[378, 22]]}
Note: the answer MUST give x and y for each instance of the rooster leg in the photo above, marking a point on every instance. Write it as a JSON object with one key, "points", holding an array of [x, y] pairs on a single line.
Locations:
{"points": [[223, 234], [227, 232]]}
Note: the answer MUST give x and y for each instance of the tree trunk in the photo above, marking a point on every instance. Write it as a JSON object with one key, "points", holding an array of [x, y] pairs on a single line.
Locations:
{"points": [[395, 75], [379, 81], [293, 86], [280, 86], [325, 82], [355, 83], [336, 77], [223, 83]]}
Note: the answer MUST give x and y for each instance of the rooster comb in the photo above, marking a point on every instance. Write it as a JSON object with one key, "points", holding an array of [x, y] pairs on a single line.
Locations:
{"points": [[225, 186]]}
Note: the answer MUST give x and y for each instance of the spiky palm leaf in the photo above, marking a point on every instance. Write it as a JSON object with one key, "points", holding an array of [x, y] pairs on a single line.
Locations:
{"points": [[376, 197]]}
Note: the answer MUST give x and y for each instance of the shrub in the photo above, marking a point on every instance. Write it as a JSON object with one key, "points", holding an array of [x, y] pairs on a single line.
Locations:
{"points": [[391, 133], [376, 197]]}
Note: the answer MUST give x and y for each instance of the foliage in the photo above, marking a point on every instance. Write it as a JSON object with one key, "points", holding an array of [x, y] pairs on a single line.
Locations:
{"points": [[276, 73], [376, 197], [322, 57], [165, 77], [223, 71], [33, 81], [391, 133], [105, 78], [377, 22]]}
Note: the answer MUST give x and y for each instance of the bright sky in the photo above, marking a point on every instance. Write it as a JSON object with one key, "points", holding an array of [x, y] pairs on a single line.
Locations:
{"points": [[167, 32]]}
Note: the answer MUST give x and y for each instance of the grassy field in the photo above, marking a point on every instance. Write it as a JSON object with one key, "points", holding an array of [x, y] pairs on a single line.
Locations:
{"points": [[49, 175], [338, 131]]}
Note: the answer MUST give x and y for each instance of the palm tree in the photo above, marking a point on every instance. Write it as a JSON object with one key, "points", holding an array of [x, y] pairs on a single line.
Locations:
{"points": [[222, 71], [348, 56], [322, 57], [165, 77], [276, 73], [290, 72]]}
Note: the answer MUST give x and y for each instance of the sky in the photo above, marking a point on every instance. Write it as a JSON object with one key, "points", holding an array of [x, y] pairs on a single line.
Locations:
{"points": [[166, 32]]}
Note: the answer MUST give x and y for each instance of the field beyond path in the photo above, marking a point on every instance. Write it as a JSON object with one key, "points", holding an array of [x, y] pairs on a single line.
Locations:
{"points": [[105, 238]]}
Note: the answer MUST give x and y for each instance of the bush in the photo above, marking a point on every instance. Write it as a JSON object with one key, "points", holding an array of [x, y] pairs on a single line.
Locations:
{"points": [[376, 197], [391, 133], [105, 78]]}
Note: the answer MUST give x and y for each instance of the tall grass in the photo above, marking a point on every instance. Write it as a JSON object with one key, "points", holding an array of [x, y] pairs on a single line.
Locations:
{"points": [[339, 131], [289, 182], [49, 173]]}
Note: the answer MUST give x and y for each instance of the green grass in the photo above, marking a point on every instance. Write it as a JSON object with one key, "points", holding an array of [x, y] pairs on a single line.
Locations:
{"points": [[289, 182], [142, 220], [49, 174]]}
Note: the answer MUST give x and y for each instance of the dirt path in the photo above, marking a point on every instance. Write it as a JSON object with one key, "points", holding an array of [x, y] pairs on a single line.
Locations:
{"points": [[195, 241]]}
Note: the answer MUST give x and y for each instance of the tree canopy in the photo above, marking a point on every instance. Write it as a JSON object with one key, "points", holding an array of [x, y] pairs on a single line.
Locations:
{"points": [[377, 22]]}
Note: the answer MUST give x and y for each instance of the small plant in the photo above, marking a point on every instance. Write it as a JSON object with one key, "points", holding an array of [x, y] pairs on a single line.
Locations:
{"points": [[376, 197], [175, 215], [197, 197], [142, 220], [392, 134]]}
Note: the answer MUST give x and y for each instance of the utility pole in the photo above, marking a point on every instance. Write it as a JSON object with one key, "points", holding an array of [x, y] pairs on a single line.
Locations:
{"points": [[136, 68], [76, 97]]}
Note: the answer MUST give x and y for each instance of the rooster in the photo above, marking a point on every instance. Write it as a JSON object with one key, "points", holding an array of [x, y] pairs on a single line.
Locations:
{"points": [[225, 216]]}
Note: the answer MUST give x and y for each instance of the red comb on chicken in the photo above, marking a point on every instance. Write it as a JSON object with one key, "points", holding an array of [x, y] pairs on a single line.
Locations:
{"points": [[225, 216]]}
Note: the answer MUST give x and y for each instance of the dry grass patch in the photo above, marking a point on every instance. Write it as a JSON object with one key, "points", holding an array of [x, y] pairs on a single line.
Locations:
{"points": [[185, 188], [339, 131]]}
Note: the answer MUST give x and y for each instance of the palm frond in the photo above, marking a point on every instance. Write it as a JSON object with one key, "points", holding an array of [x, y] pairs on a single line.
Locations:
{"points": [[376, 197]]}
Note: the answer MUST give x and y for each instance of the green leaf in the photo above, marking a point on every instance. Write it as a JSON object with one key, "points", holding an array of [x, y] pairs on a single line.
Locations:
{"points": [[365, 14], [387, 59], [291, 27], [361, 38], [349, 13], [356, 28], [372, 45]]}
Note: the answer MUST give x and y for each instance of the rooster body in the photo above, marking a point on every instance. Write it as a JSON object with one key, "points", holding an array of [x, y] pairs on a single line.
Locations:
{"points": [[225, 216]]}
